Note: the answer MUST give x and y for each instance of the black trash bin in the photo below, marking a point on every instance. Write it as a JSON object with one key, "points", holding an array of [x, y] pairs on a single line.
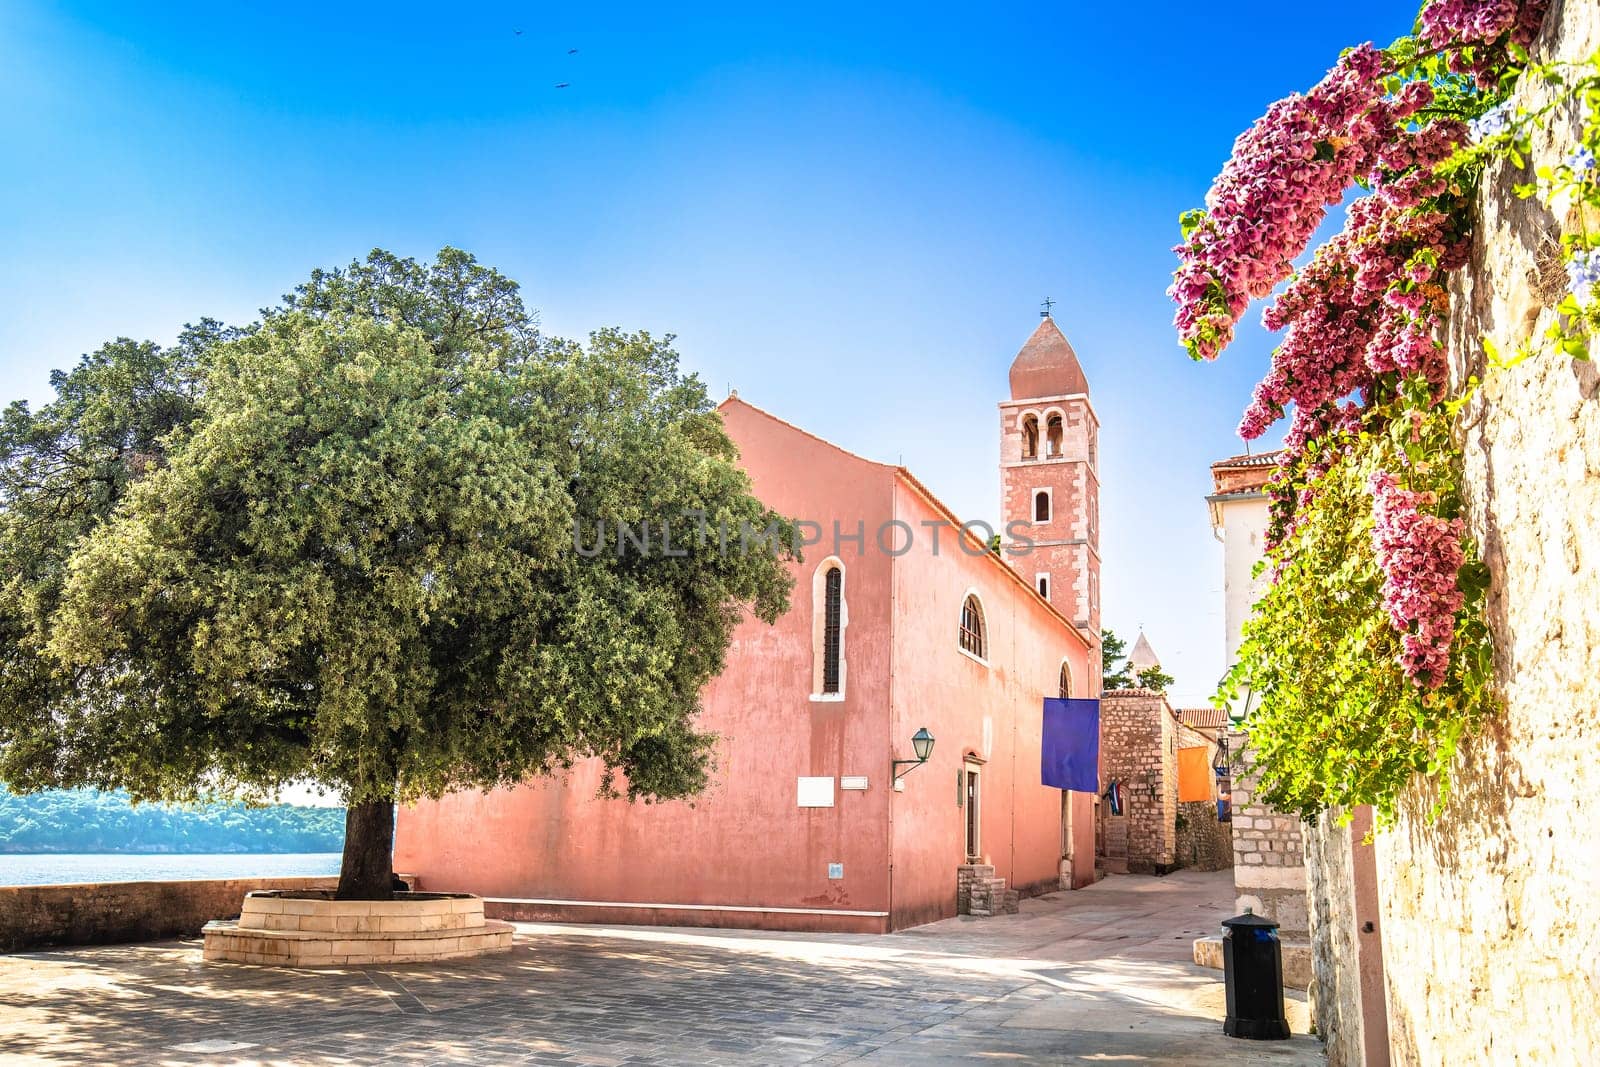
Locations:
{"points": [[1252, 963]]}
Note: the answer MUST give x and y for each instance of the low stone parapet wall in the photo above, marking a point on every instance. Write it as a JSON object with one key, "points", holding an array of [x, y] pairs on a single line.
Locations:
{"points": [[102, 913]]}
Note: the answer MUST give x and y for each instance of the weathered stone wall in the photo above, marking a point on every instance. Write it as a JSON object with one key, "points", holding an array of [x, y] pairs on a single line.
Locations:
{"points": [[109, 912], [1335, 987], [1203, 843], [1138, 746], [1492, 911], [1269, 874]]}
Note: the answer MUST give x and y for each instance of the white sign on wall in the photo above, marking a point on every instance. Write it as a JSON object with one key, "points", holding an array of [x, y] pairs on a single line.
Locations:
{"points": [[853, 781], [815, 792]]}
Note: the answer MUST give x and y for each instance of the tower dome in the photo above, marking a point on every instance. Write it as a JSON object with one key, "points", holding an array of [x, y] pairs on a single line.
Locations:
{"points": [[1047, 365]]}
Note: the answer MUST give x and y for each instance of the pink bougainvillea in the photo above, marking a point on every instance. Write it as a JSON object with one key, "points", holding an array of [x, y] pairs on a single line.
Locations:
{"points": [[1286, 171], [1366, 313], [1420, 555]]}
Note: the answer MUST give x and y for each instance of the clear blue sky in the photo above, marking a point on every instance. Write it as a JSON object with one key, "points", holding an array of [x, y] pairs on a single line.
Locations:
{"points": [[849, 213]]}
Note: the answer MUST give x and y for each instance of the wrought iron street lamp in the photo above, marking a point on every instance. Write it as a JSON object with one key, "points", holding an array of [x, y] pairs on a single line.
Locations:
{"points": [[922, 745]]}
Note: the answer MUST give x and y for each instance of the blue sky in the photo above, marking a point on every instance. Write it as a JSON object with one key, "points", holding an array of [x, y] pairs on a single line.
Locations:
{"points": [[849, 213]]}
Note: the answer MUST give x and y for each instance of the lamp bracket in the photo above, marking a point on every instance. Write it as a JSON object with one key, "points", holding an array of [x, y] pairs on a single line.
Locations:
{"points": [[909, 764]]}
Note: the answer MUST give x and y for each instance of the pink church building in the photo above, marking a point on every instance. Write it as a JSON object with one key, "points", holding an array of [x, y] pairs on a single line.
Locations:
{"points": [[804, 825]]}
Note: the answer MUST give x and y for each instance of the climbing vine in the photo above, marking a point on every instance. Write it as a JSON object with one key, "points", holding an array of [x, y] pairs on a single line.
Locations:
{"points": [[1369, 657]]}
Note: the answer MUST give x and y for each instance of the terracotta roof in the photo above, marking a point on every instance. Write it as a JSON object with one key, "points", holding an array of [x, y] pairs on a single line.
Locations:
{"points": [[1047, 365], [1203, 718], [1264, 459]]}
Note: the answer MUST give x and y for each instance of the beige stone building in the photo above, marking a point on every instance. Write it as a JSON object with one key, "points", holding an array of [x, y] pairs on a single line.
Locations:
{"points": [[1269, 874], [1160, 761]]}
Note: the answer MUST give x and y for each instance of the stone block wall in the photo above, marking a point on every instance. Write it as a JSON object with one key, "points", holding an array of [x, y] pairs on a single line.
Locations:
{"points": [[1347, 987], [103, 913], [1490, 909], [1269, 874], [1138, 746], [1203, 843]]}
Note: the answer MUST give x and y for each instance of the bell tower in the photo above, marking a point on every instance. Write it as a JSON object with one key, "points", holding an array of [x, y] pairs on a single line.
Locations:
{"points": [[1049, 475]]}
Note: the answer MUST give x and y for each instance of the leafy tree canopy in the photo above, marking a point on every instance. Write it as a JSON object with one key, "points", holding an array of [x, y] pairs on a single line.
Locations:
{"points": [[340, 545]]}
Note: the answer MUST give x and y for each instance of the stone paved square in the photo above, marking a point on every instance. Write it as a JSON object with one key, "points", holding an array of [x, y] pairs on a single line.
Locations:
{"points": [[1098, 975]]}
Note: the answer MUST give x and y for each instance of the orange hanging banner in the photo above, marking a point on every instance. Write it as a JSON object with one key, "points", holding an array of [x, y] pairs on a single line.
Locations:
{"points": [[1195, 774]]}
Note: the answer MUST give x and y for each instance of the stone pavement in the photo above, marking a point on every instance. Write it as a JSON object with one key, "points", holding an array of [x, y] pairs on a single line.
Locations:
{"points": [[1098, 975]]}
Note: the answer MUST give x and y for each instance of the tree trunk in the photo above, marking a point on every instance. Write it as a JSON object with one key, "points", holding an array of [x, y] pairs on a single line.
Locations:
{"points": [[367, 871]]}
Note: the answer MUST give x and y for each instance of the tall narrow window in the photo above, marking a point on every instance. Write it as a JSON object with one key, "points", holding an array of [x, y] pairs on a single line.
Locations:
{"points": [[832, 632], [1041, 506], [1044, 585], [1030, 438], [1065, 681], [974, 636], [1052, 436], [830, 618]]}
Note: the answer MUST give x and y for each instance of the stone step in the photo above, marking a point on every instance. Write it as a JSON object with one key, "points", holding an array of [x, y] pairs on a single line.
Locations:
{"points": [[986, 895], [1296, 959]]}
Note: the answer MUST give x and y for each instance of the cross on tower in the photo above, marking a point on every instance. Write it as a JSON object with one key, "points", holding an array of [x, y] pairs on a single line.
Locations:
{"points": [[1046, 304]]}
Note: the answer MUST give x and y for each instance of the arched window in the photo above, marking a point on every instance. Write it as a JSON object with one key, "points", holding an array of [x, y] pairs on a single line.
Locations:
{"points": [[1030, 438], [1065, 681], [830, 617], [1041, 506], [1052, 436], [974, 635], [832, 631]]}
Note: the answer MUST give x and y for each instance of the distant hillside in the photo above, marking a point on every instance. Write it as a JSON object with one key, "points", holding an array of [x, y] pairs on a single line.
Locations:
{"points": [[83, 820]]}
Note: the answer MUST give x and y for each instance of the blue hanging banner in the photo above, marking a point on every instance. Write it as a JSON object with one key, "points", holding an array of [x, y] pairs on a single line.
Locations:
{"points": [[1070, 752]]}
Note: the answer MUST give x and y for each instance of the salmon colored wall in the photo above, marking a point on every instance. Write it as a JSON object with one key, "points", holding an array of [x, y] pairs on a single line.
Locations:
{"points": [[994, 711], [744, 841]]}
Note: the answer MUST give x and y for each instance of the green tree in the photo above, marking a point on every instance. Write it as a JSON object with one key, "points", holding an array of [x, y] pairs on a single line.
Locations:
{"points": [[357, 563], [1155, 679], [1113, 662]]}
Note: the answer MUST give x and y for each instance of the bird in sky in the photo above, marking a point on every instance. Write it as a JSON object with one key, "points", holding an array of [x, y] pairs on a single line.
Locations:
{"points": [[517, 32], [562, 85], [572, 51]]}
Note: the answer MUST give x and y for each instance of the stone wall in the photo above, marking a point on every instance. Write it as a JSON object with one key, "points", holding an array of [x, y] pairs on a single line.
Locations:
{"points": [[1269, 874], [1138, 747], [102, 913], [1347, 988], [1203, 843], [1490, 911]]}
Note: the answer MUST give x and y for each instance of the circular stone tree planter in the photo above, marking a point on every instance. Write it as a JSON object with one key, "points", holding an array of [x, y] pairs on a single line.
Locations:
{"points": [[308, 928]]}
